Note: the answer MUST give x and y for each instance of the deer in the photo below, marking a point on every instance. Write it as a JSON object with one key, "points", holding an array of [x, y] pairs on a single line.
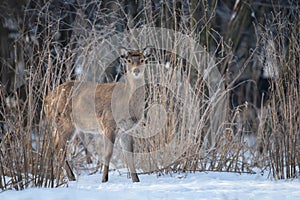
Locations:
{"points": [[111, 109]]}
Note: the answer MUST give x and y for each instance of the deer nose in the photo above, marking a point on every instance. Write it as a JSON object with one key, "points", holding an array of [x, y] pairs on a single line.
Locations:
{"points": [[136, 71]]}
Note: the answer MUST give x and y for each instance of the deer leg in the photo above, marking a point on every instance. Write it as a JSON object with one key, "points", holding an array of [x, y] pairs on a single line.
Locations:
{"points": [[127, 147], [109, 141], [61, 135], [88, 155], [83, 140]]}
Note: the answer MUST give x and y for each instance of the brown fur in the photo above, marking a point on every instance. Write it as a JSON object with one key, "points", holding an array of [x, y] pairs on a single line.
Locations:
{"points": [[109, 108]]}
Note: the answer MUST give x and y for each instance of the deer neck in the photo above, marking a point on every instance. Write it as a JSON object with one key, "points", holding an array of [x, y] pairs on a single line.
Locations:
{"points": [[133, 84], [136, 98]]}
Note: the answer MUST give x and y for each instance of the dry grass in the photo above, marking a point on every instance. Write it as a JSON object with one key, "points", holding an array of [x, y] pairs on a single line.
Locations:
{"points": [[185, 126]]}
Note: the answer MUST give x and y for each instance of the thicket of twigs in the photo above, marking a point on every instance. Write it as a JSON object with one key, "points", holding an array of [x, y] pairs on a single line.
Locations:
{"points": [[188, 125]]}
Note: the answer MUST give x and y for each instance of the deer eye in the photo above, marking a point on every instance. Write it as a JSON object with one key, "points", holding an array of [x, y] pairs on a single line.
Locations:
{"points": [[129, 60], [142, 60]]}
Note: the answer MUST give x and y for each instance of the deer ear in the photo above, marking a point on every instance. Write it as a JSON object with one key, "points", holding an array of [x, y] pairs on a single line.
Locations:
{"points": [[123, 52], [147, 52]]}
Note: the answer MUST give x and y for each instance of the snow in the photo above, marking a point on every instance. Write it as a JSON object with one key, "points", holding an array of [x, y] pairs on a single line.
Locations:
{"points": [[199, 185]]}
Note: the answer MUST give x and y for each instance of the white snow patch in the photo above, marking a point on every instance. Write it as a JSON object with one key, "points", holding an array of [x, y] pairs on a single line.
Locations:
{"points": [[212, 185]]}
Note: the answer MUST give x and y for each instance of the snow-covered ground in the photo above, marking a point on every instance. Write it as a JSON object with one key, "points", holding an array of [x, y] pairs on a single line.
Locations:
{"points": [[211, 185]]}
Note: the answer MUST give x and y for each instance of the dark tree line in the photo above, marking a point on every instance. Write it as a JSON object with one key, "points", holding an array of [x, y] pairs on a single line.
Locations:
{"points": [[38, 20]]}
